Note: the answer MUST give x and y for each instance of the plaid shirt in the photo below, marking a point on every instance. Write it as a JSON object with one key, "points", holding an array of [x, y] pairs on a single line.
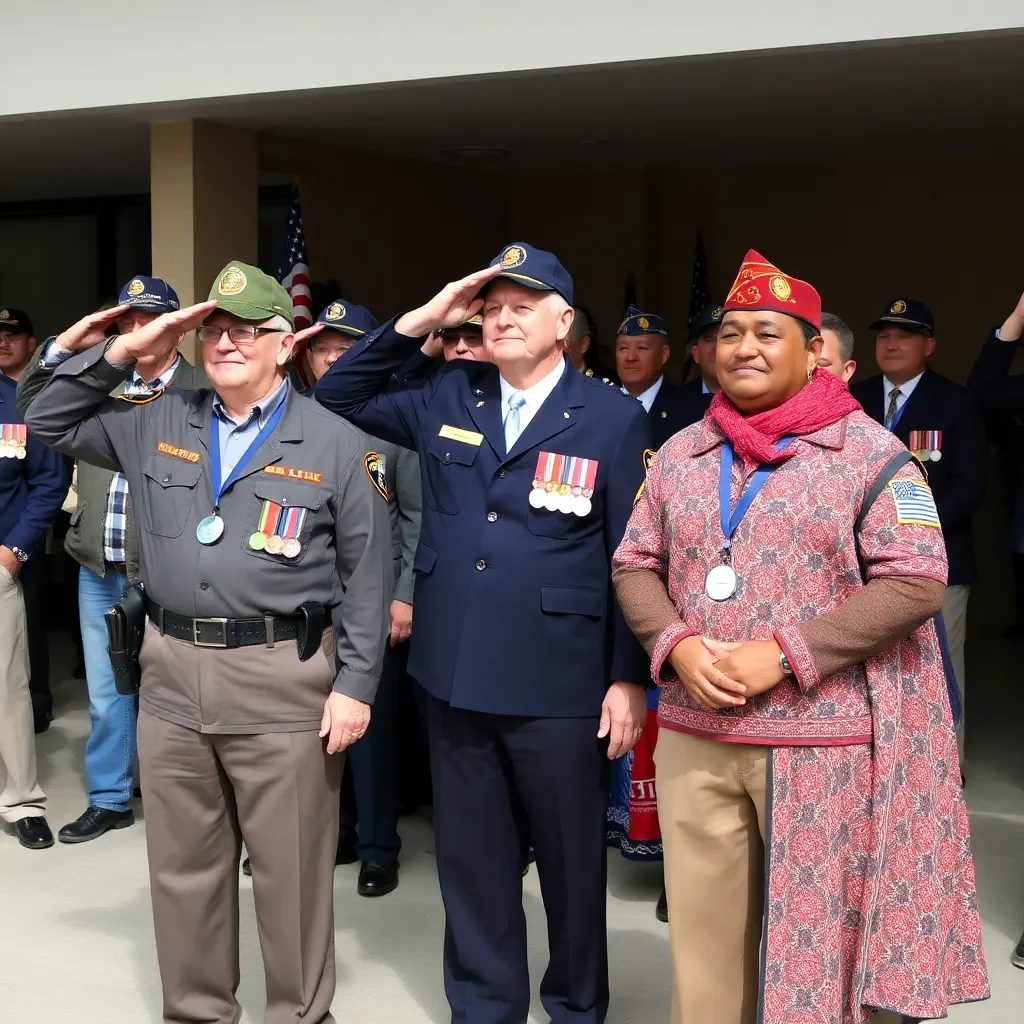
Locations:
{"points": [[115, 523]]}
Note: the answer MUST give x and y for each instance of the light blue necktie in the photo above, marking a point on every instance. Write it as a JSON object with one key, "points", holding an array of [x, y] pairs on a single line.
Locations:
{"points": [[515, 403]]}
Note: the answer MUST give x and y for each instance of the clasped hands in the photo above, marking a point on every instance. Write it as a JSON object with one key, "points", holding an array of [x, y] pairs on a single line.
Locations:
{"points": [[724, 675]]}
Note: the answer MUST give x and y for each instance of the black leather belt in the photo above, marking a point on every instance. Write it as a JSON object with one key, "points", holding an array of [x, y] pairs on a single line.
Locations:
{"points": [[223, 632]]}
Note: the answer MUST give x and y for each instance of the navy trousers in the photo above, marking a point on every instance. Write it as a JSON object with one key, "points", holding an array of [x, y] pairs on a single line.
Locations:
{"points": [[371, 771], [488, 770]]}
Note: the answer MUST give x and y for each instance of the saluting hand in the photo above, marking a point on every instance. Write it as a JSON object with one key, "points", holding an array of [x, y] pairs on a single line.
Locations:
{"points": [[753, 663], [90, 330], [707, 683], [1013, 327], [623, 714], [159, 338], [345, 721], [454, 304], [305, 336]]}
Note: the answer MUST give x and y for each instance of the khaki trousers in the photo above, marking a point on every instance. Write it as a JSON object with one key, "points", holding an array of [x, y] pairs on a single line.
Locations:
{"points": [[205, 793], [22, 797], [954, 615], [711, 802]]}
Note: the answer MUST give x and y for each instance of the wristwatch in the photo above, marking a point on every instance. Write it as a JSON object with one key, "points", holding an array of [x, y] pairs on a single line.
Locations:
{"points": [[20, 555], [784, 664]]}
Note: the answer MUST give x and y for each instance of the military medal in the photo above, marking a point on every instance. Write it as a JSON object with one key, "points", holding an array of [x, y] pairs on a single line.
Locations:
{"points": [[926, 445], [19, 438], [566, 503], [274, 545], [210, 530], [269, 515], [544, 472], [551, 484], [587, 477], [293, 521]]}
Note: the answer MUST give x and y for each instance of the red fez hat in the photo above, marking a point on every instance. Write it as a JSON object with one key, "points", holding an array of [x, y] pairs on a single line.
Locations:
{"points": [[761, 285]]}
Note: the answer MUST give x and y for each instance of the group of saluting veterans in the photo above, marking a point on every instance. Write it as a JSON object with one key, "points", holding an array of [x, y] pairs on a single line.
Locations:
{"points": [[771, 572]]}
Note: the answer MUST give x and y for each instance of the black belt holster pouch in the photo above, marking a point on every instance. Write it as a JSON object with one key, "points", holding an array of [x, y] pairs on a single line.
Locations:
{"points": [[312, 622], [126, 624]]}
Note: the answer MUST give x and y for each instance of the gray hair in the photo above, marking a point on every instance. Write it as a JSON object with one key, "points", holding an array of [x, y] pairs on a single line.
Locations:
{"points": [[841, 329], [278, 323], [580, 326]]}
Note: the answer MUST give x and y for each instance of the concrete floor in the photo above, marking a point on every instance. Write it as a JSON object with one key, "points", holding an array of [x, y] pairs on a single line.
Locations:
{"points": [[76, 930]]}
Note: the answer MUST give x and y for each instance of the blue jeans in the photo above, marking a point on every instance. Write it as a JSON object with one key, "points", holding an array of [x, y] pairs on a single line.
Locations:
{"points": [[111, 747]]}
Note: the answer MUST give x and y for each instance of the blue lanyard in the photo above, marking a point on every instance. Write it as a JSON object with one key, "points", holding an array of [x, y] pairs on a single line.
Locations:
{"points": [[731, 520], [220, 486]]}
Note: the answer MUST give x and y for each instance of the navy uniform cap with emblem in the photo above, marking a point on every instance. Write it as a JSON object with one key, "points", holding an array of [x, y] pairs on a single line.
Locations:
{"points": [[711, 317], [348, 318], [908, 313], [636, 323], [518, 635], [15, 321], [151, 294], [534, 268]]}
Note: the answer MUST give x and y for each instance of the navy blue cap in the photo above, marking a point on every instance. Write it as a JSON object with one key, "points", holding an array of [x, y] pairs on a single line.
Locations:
{"points": [[711, 317], [152, 294], [909, 313], [534, 268], [636, 322], [348, 318], [15, 321]]}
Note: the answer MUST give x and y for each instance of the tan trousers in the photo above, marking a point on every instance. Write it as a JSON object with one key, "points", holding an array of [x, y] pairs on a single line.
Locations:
{"points": [[22, 797], [711, 802], [954, 615], [205, 793]]}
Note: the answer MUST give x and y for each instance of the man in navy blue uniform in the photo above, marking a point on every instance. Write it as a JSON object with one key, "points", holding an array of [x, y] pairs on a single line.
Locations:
{"points": [[695, 395], [33, 485], [530, 470], [938, 420], [641, 352]]}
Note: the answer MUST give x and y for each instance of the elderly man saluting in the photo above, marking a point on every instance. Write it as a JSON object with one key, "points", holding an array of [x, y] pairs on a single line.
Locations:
{"points": [[264, 547], [529, 473]]}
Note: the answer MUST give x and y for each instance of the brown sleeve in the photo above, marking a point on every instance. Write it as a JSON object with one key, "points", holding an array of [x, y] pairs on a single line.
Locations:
{"points": [[884, 612], [645, 604]]}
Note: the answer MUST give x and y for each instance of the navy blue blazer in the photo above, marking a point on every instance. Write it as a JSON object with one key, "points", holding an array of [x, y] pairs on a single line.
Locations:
{"points": [[32, 489], [958, 479], [515, 611]]}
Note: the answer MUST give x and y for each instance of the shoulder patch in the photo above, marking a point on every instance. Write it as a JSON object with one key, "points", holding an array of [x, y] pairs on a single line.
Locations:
{"points": [[375, 465], [915, 505], [649, 454]]}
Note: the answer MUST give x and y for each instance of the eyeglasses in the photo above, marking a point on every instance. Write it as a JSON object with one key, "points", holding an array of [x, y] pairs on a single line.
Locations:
{"points": [[240, 334]]}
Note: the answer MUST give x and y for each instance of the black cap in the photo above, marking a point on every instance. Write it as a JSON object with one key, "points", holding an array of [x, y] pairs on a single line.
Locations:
{"points": [[711, 317], [909, 313], [16, 321]]}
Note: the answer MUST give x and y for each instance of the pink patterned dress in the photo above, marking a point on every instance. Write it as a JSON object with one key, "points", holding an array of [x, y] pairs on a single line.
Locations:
{"points": [[870, 897]]}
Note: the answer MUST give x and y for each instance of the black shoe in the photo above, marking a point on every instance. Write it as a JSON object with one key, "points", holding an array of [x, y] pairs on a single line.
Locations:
{"points": [[661, 910], [93, 823], [247, 867], [346, 853], [376, 879], [33, 833], [41, 721], [1017, 956]]}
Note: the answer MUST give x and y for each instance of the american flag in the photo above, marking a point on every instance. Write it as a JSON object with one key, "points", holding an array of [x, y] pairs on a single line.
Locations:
{"points": [[700, 299], [293, 271]]}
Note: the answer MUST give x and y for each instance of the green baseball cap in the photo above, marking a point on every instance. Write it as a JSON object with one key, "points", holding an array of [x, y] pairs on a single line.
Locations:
{"points": [[250, 294]]}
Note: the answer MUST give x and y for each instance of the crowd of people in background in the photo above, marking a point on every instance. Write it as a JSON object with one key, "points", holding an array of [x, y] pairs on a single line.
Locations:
{"points": [[463, 496]]}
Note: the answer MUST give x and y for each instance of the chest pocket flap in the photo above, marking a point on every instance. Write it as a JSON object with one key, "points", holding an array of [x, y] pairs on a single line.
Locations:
{"points": [[288, 492], [169, 487], [446, 450]]}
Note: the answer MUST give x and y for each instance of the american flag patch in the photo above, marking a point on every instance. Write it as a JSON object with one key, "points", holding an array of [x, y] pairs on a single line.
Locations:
{"points": [[915, 505]]}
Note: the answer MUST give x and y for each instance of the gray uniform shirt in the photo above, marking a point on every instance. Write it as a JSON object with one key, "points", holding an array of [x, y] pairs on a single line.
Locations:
{"points": [[312, 459]]}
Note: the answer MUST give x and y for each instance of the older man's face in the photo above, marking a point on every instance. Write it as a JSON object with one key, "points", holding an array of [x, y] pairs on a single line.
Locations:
{"points": [[523, 324], [465, 342], [326, 348], [249, 360]]}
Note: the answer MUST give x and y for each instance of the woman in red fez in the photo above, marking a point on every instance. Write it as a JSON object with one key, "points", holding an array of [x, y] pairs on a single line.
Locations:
{"points": [[782, 567]]}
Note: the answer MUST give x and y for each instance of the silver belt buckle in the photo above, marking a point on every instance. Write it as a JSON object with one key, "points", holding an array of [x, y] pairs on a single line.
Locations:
{"points": [[220, 630]]}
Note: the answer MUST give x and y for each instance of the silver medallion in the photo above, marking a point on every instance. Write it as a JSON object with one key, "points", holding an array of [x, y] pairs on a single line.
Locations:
{"points": [[720, 584], [210, 530], [582, 505], [537, 496]]}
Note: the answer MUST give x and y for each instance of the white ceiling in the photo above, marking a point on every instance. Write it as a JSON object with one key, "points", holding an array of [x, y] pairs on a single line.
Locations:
{"points": [[956, 95]]}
